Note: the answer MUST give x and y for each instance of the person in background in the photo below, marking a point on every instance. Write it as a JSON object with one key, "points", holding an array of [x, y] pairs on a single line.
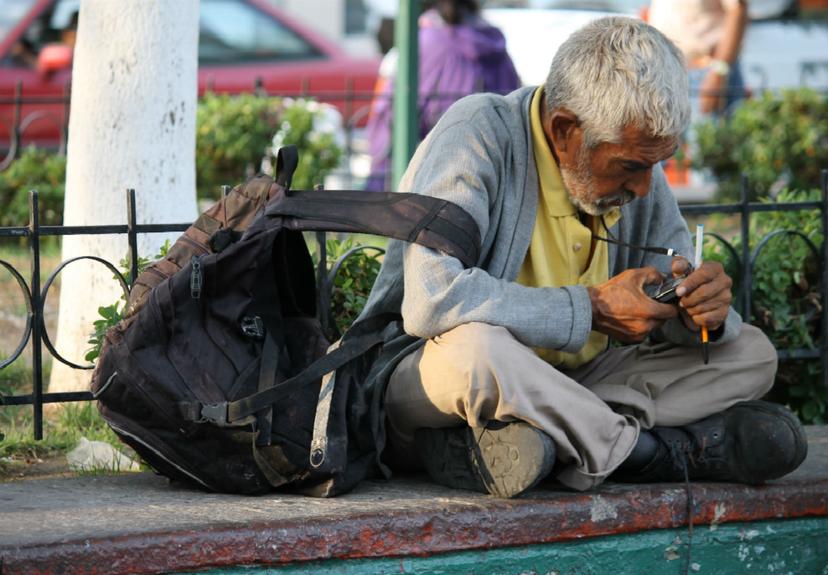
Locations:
{"points": [[460, 54], [25, 52], [69, 35], [381, 21], [709, 33]]}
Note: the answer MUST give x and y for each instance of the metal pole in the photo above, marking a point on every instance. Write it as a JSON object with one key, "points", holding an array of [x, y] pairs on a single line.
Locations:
{"points": [[37, 323], [406, 114], [824, 328], [132, 236], [323, 302], [747, 271]]}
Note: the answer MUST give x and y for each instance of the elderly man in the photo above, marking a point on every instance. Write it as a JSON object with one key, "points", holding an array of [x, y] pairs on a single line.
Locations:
{"points": [[505, 373]]}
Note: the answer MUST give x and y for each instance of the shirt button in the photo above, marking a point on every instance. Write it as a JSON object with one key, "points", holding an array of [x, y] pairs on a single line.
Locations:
{"points": [[576, 247]]}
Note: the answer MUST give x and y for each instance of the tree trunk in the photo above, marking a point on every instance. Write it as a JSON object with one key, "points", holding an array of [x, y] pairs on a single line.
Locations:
{"points": [[132, 125]]}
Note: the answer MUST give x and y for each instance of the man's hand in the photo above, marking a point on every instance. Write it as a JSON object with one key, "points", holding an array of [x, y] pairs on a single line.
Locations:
{"points": [[705, 296], [621, 308]]}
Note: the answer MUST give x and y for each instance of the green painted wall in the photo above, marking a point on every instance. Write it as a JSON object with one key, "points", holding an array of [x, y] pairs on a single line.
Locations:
{"points": [[797, 547]]}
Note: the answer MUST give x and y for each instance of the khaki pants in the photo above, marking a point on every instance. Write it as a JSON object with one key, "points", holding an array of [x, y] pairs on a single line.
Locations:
{"points": [[478, 373]]}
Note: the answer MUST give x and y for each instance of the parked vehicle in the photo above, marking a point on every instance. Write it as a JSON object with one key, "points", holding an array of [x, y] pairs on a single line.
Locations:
{"points": [[243, 45]]}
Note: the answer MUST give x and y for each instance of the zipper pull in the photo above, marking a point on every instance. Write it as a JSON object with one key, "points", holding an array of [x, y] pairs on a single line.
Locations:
{"points": [[196, 277]]}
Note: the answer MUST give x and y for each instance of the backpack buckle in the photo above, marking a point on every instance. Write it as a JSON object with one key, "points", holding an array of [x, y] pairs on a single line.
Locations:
{"points": [[196, 278], [215, 413], [253, 327]]}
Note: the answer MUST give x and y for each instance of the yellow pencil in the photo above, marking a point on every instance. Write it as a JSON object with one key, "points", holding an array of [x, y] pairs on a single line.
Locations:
{"points": [[704, 335]]}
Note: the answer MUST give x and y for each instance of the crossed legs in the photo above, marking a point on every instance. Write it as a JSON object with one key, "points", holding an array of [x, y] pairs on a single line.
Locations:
{"points": [[477, 373]]}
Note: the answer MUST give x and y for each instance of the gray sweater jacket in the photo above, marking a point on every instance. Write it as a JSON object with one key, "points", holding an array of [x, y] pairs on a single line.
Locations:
{"points": [[480, 157]]}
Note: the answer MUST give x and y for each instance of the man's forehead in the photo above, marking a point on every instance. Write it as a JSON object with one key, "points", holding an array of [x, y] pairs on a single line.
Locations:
{"points": [[637, 145]]}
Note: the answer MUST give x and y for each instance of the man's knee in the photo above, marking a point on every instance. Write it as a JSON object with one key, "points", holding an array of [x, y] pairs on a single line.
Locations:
{"points": [[472, 346], [753, 348], [478, 362]]}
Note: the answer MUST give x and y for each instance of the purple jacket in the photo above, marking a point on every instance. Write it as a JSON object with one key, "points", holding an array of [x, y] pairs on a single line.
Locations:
{"points": [[455, 61]]}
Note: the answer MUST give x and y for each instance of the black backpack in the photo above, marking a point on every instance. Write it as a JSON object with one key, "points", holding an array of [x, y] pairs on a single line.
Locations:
{"points": [[221, 377]]}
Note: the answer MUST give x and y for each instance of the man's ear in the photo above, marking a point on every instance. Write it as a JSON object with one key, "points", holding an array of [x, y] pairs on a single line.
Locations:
{"points": [[563, 130]]}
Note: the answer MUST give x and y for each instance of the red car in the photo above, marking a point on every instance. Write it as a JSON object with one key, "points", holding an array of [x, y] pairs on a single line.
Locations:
{"points": [[243, 45]]}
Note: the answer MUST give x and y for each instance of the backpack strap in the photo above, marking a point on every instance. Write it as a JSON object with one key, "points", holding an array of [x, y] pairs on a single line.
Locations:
{"points": [[428, 221], [226, 414], [287, 159]]}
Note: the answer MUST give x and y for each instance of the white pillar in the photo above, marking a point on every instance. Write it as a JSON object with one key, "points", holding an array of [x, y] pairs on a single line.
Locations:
{"points": [[132, 125]]}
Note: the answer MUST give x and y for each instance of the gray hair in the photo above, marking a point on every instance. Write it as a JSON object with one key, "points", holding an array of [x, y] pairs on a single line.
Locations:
{"points": [[616, 72]]}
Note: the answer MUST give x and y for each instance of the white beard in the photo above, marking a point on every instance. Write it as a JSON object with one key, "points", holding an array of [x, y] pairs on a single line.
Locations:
{"points": [[580, 185]]}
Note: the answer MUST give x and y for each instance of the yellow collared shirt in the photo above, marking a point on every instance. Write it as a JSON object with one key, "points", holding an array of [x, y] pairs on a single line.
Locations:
{"points": [[559, 250]]}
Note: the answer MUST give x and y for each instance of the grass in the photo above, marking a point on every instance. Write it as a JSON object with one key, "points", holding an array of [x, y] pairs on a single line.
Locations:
{"points": [[61, 433], [62, 428]]}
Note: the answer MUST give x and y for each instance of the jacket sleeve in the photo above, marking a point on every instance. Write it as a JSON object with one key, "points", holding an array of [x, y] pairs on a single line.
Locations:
{"points": [[463, 160], [668, 228]]}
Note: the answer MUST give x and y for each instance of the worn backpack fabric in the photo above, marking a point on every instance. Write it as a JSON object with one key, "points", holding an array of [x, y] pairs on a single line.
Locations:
{"points": [[220, 375]]}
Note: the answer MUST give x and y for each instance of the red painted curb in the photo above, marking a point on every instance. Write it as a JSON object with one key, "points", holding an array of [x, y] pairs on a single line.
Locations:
{"points": [[440, 526]]}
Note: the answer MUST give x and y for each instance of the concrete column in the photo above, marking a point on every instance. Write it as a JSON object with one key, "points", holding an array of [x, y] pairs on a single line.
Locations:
{"points": [[132, 125]]}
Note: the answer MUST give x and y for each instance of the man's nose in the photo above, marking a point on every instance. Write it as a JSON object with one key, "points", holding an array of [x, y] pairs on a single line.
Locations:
{"points": [[639, 184]]}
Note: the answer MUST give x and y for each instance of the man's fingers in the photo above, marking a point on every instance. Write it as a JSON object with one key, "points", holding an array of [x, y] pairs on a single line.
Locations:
{"points": [[709, 272], [650, 275], [680, 266], [711, 319], [662, 311], [716, 291]]}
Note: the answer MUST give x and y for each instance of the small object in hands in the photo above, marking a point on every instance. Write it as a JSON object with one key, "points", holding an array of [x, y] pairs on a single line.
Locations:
{"points": [[705, 345], [704, 335], [665, 292]]}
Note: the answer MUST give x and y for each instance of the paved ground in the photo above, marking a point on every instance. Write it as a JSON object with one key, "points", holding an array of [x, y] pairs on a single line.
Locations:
{"points": [[139, 523]]}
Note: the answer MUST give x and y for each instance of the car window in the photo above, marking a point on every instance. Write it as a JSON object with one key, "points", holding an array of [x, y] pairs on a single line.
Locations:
{"points": [[56, 24], [11, 13], [232, 31]]}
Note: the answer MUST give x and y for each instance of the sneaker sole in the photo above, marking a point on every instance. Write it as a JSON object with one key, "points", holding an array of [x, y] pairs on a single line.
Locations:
{"points": [[511, 459]]}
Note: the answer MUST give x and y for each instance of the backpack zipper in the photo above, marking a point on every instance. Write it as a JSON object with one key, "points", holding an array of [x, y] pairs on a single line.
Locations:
{"points": [[158, 454]]}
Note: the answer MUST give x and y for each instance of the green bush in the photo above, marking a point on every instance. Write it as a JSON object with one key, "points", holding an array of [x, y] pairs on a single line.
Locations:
{"points": [[777, 140], [110, 315], [39, 170], [353, 281], [786, 299], [236, 133], [232, 135]]}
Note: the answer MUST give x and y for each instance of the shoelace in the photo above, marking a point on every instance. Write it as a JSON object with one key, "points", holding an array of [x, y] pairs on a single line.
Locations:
{"points": [[679, 453]]}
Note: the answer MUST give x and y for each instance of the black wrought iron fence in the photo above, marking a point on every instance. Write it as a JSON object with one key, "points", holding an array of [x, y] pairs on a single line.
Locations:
{"points": [[35, 334], [35, 295]]}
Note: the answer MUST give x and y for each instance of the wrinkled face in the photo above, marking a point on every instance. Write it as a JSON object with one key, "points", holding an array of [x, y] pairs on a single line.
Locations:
{"points": [[608, 175]]}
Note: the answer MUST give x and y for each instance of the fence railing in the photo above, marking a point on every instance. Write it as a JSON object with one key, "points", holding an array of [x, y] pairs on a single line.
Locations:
{"points": [[35, 334]]}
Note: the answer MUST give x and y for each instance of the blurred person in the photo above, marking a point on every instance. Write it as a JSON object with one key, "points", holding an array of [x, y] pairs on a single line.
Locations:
{"points": [[459, 54], [381, 19], [709, 33], [27, 53], [69, 34], [23, 54]]}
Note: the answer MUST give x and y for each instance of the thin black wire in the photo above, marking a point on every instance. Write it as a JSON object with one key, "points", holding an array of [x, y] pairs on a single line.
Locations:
{"points": [[651, 249]]}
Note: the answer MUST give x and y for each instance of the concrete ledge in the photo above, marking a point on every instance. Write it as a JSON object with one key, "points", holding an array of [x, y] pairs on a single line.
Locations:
{"points": [[139, 524]]}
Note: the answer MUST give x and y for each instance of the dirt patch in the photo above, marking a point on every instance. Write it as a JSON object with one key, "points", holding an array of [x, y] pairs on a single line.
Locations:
{"points": [[19, 469]]}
